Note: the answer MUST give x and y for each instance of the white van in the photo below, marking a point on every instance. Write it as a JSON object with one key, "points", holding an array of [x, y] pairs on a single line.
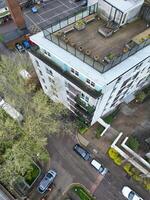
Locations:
{"points": [[99, 167]]}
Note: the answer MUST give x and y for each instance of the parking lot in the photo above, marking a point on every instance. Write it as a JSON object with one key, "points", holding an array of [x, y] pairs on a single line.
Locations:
{"points": [[51, 11], [71, 168]]}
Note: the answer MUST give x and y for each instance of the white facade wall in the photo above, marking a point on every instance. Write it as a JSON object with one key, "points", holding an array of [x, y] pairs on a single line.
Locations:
{"points": [[121, 12], [57, 89], [111, 95]]}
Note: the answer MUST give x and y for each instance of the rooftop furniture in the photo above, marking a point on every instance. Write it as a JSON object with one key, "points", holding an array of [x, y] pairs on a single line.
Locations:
{"points": [[89, 18], [68, 29]]}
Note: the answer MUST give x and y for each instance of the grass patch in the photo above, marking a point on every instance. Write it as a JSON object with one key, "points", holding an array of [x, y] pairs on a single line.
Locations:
{"points": [[82, 130], [109, 119], [133, 143], [82, 193], [99, 131], [31, 174], [82, 126]]}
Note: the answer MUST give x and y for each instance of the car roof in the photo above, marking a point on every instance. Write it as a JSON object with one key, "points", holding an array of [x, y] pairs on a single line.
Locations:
{"points": [[96, 164], [45, 181]]}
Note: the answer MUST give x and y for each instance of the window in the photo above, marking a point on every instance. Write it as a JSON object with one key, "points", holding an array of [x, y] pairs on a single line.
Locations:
{"points": [[138, 66], [45, 87], [86, 99], [43, 80], [92, 84], [51, 80], [118, 80], [74, 72], [66, 84], [54, 93], [41, 72], [37, 63], [82, 96], [47, 53], [135, 75], [49, 71], [124, 18], [89, 82], [125, 82]]}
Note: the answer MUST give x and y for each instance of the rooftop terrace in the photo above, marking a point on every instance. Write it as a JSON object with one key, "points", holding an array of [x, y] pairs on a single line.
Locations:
{"points": [[100, 44], [89, 38]]}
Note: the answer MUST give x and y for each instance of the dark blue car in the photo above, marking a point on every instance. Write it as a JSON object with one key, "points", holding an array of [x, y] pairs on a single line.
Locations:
{"points": [[82, 152]]}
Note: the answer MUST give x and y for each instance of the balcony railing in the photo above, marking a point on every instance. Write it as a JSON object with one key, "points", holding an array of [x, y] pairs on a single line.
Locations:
{"points": [[101, 66], [76, 81], [88, 109]]}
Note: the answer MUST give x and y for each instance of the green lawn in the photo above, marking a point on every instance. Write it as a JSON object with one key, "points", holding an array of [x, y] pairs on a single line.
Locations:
{"points": [[109, 119], [32, 174], [82, 193], [99, 131]]}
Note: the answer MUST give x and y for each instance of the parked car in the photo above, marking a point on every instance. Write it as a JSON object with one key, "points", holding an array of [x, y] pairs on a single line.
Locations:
{"points": [[46, 181], [20, 48], [82, 152], [130, 194], [99, 167], [26, 44]]}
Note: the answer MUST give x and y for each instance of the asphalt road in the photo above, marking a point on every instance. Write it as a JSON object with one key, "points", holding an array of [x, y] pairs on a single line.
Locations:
{"points": [[73, 169]]}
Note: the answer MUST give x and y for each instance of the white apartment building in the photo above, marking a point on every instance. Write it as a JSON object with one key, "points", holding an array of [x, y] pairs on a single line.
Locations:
{"points": [[93, 63]]}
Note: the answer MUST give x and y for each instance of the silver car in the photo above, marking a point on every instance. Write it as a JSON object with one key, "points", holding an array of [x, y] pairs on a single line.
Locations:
{"points": [[46, 181]]}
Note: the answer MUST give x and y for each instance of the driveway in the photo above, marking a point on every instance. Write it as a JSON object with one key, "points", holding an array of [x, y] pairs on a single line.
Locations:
{"points": [[73, 169]]}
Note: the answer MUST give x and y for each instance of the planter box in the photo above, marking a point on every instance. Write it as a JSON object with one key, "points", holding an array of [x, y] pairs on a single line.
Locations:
{"points": [[79, 28]]}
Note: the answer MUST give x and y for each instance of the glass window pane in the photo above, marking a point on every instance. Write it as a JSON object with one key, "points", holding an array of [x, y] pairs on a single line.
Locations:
{"points": [[79, 16], [71, 20], [56, 27], [63, 23]]}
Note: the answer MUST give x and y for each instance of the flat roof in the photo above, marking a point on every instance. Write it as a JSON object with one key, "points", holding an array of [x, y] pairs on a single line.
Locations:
{"points": [[125, 5], [90, 39], [76, 63]]}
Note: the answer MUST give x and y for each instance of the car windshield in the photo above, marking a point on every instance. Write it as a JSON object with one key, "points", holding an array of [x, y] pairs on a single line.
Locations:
{"points": [[101, 169], [49, 175], [131, 195]]}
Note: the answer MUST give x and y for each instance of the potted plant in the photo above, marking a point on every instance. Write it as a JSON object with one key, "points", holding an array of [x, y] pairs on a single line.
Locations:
{"points": [[88, 52], [72, 43], [80, 25], [96, 57], [80, 48], [59, 33]]}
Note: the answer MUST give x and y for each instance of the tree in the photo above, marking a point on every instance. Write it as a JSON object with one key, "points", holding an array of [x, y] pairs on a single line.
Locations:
{"points": [[22, 143]]}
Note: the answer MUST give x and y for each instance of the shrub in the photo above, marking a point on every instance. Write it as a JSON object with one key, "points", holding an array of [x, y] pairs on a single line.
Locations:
{"points": [[118, 160], [112, 153], [109, 119], [32, 174], [146, 184], [140, 96], [133, 143], [127, 167], [137, 177]]}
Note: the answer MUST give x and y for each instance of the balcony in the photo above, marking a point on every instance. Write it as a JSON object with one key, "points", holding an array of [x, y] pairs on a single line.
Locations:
{"points": [[76, 81], [88, 110]]}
